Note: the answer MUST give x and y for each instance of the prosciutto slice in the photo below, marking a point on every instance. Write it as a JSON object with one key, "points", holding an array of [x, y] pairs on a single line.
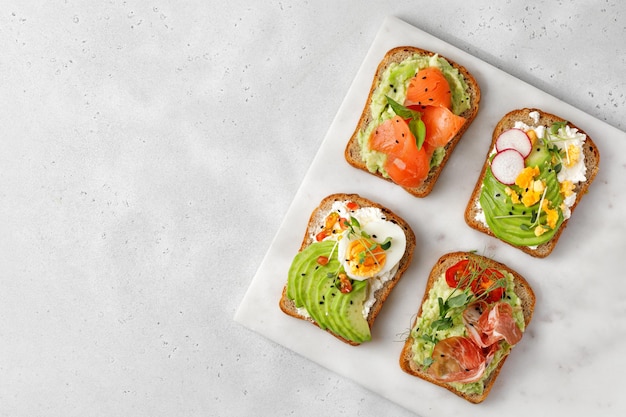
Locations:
{"points": [[457, 359], [488, 325]]}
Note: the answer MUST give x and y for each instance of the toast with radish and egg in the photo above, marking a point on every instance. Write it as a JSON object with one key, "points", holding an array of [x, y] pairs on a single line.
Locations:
{"points": [[419, 105], [473, 312], [353, 253], [537, 169]]}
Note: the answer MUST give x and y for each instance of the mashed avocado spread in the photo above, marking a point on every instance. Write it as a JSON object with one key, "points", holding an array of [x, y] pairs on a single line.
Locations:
{"points": [[425, 337], [393, 84]]}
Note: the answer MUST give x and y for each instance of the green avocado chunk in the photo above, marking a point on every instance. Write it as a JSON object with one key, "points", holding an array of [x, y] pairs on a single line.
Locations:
{"points": [[514, 223], [313, 287]]}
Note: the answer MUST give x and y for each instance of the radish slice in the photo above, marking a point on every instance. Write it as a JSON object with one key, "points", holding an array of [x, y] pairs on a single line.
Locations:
{"points": [[514, 139], [507, 165]]}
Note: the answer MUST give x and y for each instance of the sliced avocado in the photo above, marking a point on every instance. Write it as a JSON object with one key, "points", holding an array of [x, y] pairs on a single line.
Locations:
{"points": [[304, 267], [334, 299], [538, 156], [312, 286], [351, 312], [315, 298]]}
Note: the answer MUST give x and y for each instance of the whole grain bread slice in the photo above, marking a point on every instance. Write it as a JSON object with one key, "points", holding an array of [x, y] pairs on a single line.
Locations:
{"points": [[592, 163], [316, 220], [352, 151], [522, 290]]}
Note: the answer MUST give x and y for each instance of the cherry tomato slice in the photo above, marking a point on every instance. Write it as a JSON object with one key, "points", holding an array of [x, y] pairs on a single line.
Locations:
{"points": [[458, 273], [488, 283], [463, 273]]}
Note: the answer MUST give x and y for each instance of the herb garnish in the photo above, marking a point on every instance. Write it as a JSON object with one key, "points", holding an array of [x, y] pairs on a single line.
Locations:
{"points": [[450, 308], [416, 125]]}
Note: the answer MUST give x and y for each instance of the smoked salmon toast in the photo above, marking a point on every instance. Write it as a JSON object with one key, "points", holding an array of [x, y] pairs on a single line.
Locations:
{"points": [[419, 105], [474, 311]]}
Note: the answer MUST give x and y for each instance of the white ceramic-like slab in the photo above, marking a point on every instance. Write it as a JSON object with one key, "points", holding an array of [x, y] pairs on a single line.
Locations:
{"points": [[571, 359]]}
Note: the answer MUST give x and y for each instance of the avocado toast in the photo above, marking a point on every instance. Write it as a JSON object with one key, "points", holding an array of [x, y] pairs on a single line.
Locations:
{"points": [[473, 312], [353, 253], [419, 105], [527, 200]]}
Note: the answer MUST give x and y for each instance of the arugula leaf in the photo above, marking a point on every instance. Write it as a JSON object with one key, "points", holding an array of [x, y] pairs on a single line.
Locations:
{"points": [[442, 307], [458, 300], [554, 129], [400, 110], [355, 222], [418, 129], [386, 244], [416, 125], [442, 324]]}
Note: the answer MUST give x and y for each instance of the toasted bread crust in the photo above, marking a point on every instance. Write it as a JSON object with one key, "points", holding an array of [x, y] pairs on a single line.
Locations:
{"points": [[352, 152], [592, 162], [317, 219], [523, 291]]}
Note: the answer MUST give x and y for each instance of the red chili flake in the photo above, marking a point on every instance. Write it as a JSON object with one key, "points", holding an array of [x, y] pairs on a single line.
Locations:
{"points": [[322, 260]]}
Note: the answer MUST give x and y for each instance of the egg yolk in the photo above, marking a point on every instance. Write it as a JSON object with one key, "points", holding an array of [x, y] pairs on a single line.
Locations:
{"points": [[365, 258], [567, 188], [573, 156]]}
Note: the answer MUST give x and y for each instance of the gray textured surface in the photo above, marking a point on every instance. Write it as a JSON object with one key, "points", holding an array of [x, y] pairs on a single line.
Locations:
{"points": [[150, 152]]}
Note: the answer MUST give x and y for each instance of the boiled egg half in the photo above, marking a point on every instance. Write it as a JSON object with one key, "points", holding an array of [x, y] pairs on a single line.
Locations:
{"points": [[373, 253]]}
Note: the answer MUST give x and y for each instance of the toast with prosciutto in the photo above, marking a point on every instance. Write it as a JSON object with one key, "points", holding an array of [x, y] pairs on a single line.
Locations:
{"points": [[419, 105], [474, 311]]}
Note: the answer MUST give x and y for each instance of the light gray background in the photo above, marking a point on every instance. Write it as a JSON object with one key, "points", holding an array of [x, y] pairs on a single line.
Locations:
{"points": [[150, 151]]}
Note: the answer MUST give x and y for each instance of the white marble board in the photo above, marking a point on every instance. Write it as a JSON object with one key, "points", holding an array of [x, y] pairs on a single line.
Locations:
{"points": [[571, 358]]}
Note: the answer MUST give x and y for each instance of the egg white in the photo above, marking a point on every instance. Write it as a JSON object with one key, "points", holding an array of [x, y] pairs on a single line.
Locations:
{"points": [[379, 231]]}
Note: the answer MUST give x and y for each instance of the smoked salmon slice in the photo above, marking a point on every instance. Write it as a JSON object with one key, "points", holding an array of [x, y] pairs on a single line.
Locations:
{"points": [[406, 165], [429, 94], [441, 125], [429, 87]]}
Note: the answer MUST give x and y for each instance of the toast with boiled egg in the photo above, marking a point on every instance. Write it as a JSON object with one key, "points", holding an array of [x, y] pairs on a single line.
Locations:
{"points": [[537, 169], [353, 253], [419, 105], [474, 311]]}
